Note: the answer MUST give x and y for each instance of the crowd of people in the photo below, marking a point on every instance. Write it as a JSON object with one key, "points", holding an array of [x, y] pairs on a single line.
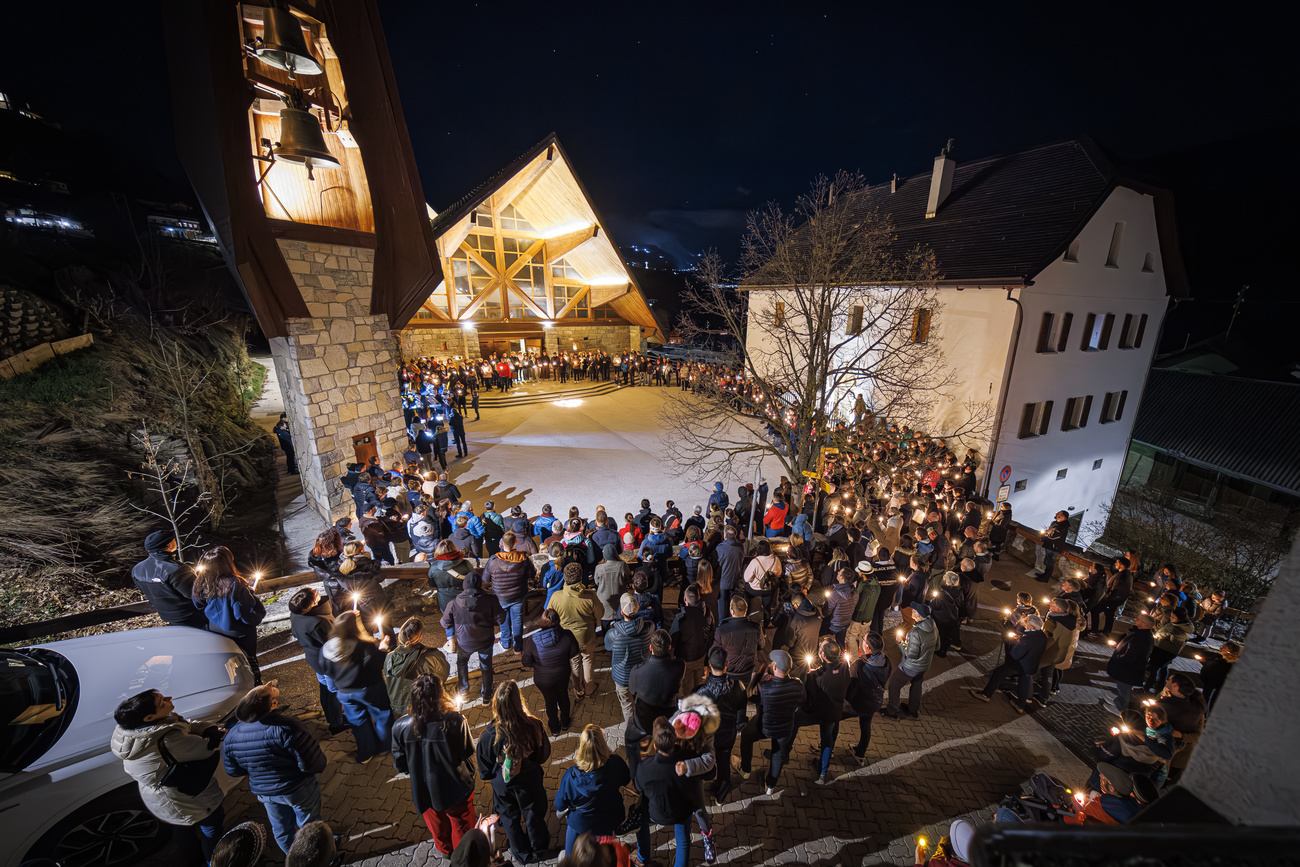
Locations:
{"points": [[744, 622]]}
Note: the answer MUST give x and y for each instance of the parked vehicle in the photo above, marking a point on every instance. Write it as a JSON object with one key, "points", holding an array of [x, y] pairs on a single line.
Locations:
{"points": [[63, 794]]}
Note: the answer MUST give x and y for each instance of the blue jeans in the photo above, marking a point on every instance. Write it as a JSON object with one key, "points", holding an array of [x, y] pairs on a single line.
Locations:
{"points": [[292, 810], [329, 703], [371, 718], [210, 830], [485, 669], [1049, 561], [512, 630], [682, 840]]}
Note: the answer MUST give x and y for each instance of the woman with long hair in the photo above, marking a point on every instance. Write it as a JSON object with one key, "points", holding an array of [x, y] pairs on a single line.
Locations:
{"points": [[432, 743], [227, 600], [367, 597], [589, 790], [708, 590], [355, 663], [324, 560], [511, 752]]}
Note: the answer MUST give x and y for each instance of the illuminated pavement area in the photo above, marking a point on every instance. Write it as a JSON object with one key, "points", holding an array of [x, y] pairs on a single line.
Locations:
{"points": [[959, 759]]}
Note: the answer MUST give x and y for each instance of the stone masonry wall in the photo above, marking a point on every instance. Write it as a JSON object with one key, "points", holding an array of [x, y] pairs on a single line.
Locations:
{"points": [[592, 338], [418, 342], [337, 370]]}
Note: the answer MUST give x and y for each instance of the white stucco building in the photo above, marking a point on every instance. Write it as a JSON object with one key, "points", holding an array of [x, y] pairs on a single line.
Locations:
{"points": [[1056, 273]]}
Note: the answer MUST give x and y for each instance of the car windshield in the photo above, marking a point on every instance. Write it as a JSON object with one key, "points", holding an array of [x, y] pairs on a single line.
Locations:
{"points": [[38, 694]]}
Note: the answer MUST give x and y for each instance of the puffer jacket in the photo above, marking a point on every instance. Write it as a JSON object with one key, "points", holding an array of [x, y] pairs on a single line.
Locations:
{"points": [[779, 698], [467, 542], [547, 652], [867, 685], [138, 750], [628, 641], [275, 753], [841, 605], [364, 580], [473, 616], [441, 763], [353, 665], [332, 583], [509, 573], [403, 665], [447, 577], [918, 652], [424, 534]]}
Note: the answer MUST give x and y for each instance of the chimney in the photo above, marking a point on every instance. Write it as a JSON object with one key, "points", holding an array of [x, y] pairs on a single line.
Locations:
{"points": [[893, 184], [940, 181]]}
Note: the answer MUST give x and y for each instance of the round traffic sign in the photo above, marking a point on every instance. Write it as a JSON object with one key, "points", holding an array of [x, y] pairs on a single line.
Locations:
{"points": [[1004, 475]]}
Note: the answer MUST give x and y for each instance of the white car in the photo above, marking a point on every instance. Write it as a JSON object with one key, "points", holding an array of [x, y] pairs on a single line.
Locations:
{"points": [[63, 794]]}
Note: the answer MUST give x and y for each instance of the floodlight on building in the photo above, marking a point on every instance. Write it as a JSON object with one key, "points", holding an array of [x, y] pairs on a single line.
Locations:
{"points": [[548, 324], [468, 326], [565, 228]]}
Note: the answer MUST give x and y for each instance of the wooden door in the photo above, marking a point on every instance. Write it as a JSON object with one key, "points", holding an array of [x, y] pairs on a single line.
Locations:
{"points": [[363, 445]]}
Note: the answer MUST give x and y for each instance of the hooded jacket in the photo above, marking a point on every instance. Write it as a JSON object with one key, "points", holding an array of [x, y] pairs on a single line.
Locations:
{"points": [[547, 652], [143, 762], [592, 798], [464, 539], [842, 605], [424, 534], [918, 652], [275, 753], [579, 609], [448, 577], [868, 676], [731, 563], [441, 762], [868, 594], [719, 497], [353, 665], [1172, 636], [473, 616], [509, 573], [332, 583], [628, 641], [311, 631], [403, 665], [168, 586]]}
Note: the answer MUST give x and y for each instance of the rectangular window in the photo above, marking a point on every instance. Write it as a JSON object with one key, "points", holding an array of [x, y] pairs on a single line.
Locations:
{"points": [[1134, 329], [1060, 474], [1045, 343], [778, 314], [1125, 332], [1116, 239], [1141, 331], [1035, 419], [855, 321], [1096, 332], [1112, 406], [1061, 341], [921, 325], [1054, 333], [1149, 264], [1072, 251], [1077, 410]]}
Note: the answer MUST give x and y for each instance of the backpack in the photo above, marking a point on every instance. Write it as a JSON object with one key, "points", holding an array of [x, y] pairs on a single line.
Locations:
{"points": [[574, 552]]}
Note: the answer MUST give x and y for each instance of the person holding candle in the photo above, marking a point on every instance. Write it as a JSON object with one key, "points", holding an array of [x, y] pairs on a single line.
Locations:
{"points": [[1128, 662], [918, 645], [366, 594], [1118, 588], [841, 603], [779, 697], [354, 661], [410, 661], [1215, 668], [310, 621], [511, 752], [827, 687], [225, 598], [432, 744], [1170, 636], [945, 608], [1022, 661]]}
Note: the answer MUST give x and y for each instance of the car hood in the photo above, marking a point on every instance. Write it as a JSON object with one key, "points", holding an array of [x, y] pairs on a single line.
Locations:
{"points": [[205, 675]]}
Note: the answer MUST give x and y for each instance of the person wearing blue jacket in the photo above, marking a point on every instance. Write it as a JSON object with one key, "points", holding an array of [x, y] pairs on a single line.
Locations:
{"points": [[225, 598], [588, 796], [354, 662], [473, 522], [543, 522], [280, 759], [719, 498]]}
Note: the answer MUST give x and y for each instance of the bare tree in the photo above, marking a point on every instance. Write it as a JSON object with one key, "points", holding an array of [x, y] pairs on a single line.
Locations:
{"points": [[827, 306], [178, 498]]}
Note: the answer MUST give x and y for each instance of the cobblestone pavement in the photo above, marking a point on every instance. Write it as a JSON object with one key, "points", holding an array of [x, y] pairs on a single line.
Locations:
{"points": [[959, 759]]}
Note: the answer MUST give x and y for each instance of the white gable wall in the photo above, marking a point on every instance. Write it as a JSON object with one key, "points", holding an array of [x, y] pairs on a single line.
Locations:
{"points": [[1083, 287]]}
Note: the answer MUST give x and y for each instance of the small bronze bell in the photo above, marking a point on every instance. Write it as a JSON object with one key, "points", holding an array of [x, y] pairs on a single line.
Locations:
{"points": [[283, 45], [302, 142]]}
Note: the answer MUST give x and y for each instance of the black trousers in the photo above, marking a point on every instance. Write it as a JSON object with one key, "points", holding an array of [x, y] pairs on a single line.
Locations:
{"points": [[522, 807], [556, 698], [723, 743], [864, 734], [1107, 609], [1010, 668]]}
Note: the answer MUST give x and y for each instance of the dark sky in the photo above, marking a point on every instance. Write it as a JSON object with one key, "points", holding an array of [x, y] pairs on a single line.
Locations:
{"points": [[682, 116]]}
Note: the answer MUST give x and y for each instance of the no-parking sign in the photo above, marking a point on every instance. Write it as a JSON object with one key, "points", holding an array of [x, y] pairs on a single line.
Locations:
{"points": [[1004, 475]]}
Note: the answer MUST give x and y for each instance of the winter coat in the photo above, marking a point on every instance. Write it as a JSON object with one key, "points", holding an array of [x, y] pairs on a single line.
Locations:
{"points": [[332, 583], [778, 699], [654, 685], [542, 526], [592, 798], [547, 652], [424, 534], [731, 563], [364, 495], [1214, 672], [1172, 636], [914, 589], [868, 595], [352, 664], [841, 606], [1028, 651], [441, 763], [827, 687], [867, 684], [364, 581], [918, 652], [1060, 632], [526, 773], [467, 542], [311, 631], [612, 580], [1119, 586], [473, 616], [236, 614], [741, 638], [670, 799], [803, 634], [803, 527], [404, 665], [1128, 664], [509, 573], [690, 632], [629, 643], [730, 698], [169, 587], [448, 577], [143, 762], [276, 754], [719, 498], [579, 609]]}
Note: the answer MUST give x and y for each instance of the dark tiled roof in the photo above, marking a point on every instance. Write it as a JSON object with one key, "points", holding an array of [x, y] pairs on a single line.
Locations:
{"points": [[1007, 217], [1247, 428], [452, 214]]}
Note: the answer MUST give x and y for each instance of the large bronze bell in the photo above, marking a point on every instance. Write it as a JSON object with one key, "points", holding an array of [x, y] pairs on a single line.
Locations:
{"points": [[283, 45], [302, 142]]}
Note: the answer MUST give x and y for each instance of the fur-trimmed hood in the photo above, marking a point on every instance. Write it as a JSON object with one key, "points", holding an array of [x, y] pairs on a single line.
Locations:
{"points": [[710, 718]]}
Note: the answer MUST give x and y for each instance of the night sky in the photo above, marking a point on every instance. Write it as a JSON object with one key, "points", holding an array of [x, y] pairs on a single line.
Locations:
{"points": [[680, 117]]}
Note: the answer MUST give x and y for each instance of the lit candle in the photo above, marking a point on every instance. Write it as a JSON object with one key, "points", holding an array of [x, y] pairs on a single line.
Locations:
{"points": [[921, 842], [1047, 600], [355, 598], [934, 594], [459, 700], [1196, 657], [257, 576], [1006, 612], [1124, 729], [807, 660], [1112, 642], [1114, 730], [1078, 797], [898, 634], [1011, 635]]}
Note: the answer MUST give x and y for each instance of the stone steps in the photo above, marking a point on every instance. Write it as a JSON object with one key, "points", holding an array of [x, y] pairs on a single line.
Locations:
{"points": [[531, 393]]}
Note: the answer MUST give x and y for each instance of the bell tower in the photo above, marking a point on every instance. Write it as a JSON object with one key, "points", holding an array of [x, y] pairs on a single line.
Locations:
{"points": [[290, 129]]}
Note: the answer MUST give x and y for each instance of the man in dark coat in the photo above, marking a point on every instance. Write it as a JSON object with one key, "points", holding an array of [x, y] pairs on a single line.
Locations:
{"points": [[779, 696], [1022, 660], [730, 555], [654, 685], [729, 695], [827, 687], [457, 422], [741, 638], [310, 621], [1128, 664], [285, 438], [166, 584], [473, 617], [868, 676], [690, 633], [1053, 544], [1119, 586]]}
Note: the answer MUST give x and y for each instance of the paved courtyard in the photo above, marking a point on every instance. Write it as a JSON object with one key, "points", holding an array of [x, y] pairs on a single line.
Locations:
{"points": [[959, 759]]}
